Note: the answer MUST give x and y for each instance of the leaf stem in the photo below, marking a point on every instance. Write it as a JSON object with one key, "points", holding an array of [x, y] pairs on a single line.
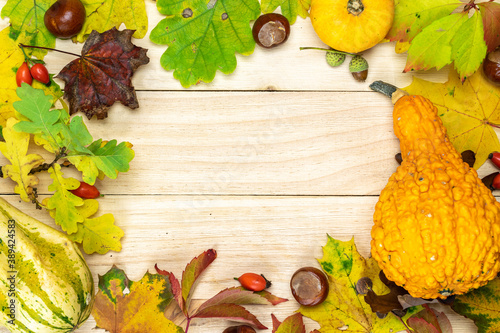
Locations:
{"points": [[323, 49], [48, 48], [187, 325]]}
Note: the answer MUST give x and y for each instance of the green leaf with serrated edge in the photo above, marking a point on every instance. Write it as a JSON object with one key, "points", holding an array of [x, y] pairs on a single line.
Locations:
{"points": [[468, 46], [192, 272], [490, 12], [27, 26], [126, 306], [289, 8], [344, 266], [98, 234], [482, 306], [203, 36], [63, 204], [432, 47], [411, 17], [15, 149], [106, 14], [291, 324]]}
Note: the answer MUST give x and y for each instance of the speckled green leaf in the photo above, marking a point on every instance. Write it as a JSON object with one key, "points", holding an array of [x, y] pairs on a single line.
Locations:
{"points": [[27, 27], [482, 306], [344, 307], [203, 36], [289, 8]]}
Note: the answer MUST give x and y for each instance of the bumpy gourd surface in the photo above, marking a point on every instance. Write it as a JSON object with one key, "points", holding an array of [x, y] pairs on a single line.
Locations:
{"points": [[437, 226]]}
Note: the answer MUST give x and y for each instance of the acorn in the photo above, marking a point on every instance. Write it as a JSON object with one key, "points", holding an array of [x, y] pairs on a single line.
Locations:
{"points": [[359, 68], [334, 58]]}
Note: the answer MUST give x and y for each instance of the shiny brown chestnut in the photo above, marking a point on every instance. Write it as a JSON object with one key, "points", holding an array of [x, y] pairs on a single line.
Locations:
{"points": [[309, 286], [239, 329], [491, 66], [271, 30], [65, 18]]}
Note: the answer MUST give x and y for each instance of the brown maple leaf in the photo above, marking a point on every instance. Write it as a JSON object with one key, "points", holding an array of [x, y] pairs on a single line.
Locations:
{"points": [[101, 76]]}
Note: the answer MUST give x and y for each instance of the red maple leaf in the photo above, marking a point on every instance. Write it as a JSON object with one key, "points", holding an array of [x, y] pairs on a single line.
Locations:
{"points": [[102, 75]]}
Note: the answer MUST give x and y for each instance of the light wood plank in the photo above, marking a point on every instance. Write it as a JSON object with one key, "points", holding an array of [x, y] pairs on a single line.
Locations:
{"points": [[270, 235]]}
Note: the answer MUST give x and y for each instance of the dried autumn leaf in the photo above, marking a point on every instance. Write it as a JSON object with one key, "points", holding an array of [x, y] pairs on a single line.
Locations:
{"points": [[126, 306], [106, 14], [491, 23], [98, 234], [387, 302], [15, 149], [102, 75], [345, 307], [469, 111], [203, 36], [482, 306], [291, 324], [289, 8], [192, 272]]}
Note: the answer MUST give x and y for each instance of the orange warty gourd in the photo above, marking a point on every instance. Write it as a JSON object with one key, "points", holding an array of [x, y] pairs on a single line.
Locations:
{"points": [[437, 226], [352, 25]]}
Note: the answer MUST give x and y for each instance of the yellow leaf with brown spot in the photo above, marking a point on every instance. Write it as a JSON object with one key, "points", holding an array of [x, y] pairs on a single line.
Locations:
{"points": [[15, 149]]}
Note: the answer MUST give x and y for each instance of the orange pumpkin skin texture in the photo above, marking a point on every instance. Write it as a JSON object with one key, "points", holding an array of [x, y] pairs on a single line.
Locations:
{"points": [[352, 25], [437, 226]]}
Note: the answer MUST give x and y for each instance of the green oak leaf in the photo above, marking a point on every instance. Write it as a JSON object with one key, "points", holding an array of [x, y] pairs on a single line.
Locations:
{"points": [[482, 306], [63, 204], [106, 14], [203, 36], [289, 8], [27, 27], [98, 234]]}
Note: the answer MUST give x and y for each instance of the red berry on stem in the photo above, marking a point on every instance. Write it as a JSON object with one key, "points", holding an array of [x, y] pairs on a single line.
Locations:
{"points": [[40, 73], [496, 182], [86, 191], [23, 75], [495, 158], [254, 282]]}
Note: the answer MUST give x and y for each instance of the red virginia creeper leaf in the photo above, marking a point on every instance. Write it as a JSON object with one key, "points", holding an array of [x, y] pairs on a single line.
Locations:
{"points": [[103, 74], [230, 312], [420, 325], [276, 322], [292, 324], [192, 271], [490, 12], [274, 300], [235, 295], [176, 287]]}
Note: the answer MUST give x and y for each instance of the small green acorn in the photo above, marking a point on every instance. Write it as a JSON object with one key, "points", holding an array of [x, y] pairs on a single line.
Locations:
{"points": [[359, 68], [334, 58]]}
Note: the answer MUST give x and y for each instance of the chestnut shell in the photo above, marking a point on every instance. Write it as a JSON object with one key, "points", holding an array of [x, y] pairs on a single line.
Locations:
{"points": [[271, 30], [309, 286], [491, 66], [65, 18]]}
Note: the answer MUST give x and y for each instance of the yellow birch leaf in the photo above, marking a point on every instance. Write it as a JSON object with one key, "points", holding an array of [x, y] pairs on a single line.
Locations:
{"points": [[126, 306], [470, 111], [15, 149]]}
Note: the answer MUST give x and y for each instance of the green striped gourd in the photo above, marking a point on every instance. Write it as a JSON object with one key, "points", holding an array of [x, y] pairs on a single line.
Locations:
{"points": [[52, 289]]}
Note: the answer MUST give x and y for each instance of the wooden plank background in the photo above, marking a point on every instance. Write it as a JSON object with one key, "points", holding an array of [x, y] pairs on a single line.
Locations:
{"points": [[259, 165]]}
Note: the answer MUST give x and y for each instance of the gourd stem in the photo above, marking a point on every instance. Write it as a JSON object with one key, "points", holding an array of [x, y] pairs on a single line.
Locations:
{"points": [[323, 49], [389, 90]]}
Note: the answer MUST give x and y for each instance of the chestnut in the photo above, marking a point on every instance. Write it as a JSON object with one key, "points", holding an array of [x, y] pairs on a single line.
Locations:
{"points": [[239, 329], [491, 66], [271, 30], [65, 18], [309, 286]]}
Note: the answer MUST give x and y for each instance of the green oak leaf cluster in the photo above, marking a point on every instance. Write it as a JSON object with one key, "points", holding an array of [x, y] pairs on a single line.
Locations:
{"points": [[436, 33], [70, 142]]}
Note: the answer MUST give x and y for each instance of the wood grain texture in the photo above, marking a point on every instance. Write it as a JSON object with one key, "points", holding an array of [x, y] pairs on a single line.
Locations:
{"points": [[259, 165]]}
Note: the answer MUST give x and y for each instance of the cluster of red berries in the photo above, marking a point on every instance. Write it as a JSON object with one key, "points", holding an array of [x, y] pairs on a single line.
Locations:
{"points": [[26, 74]]}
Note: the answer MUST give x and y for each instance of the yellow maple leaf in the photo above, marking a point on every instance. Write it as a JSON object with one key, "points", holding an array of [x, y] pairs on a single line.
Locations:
{"points": [[469, 111], [15, 149]]}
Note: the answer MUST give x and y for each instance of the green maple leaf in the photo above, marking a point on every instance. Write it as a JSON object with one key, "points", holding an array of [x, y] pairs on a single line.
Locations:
{"points": [[438, 37], [344, 306], [98, 234], [106, 14], [203, 36], [27, 27], [289, 8], [63, 204]]}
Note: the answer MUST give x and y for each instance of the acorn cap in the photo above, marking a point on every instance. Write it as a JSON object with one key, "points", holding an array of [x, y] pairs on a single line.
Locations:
{"points": [[335, 59], [358, 64]]}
